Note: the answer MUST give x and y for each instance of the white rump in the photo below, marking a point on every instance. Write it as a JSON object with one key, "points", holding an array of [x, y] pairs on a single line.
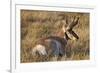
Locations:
{"points": [[40, 49]]}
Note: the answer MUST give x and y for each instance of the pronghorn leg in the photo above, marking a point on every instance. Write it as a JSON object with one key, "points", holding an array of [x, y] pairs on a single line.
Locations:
{"points": [[55, 58]]}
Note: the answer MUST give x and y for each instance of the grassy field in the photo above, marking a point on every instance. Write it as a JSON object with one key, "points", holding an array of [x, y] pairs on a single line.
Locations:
{"points": [[39, 24]]}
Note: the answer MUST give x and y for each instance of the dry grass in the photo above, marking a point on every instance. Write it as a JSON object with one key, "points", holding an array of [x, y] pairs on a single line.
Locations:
{"points": [[38, 24]]}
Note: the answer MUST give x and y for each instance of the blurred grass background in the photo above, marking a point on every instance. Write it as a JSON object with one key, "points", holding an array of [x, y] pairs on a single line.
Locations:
{"points": [[39, 24]]}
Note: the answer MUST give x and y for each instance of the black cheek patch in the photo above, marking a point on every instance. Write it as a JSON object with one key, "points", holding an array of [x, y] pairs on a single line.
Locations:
{"points": [[66, 36]]}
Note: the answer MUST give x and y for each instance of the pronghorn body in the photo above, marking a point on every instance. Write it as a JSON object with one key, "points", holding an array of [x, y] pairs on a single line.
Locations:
{"points": [[56, 45]]}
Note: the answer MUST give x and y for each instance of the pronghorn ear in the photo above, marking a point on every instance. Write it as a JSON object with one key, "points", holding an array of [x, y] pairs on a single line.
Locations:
{"points": [[63, 28]]}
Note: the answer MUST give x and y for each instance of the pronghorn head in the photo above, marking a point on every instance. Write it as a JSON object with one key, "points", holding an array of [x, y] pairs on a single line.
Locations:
{"points": [[68, 28]]}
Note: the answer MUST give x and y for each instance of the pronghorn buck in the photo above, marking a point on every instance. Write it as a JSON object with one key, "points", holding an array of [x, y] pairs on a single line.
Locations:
{"points": [[56, 45]]}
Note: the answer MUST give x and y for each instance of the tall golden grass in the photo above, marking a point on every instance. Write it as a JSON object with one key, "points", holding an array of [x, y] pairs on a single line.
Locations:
{"points": [[39, 24]]}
